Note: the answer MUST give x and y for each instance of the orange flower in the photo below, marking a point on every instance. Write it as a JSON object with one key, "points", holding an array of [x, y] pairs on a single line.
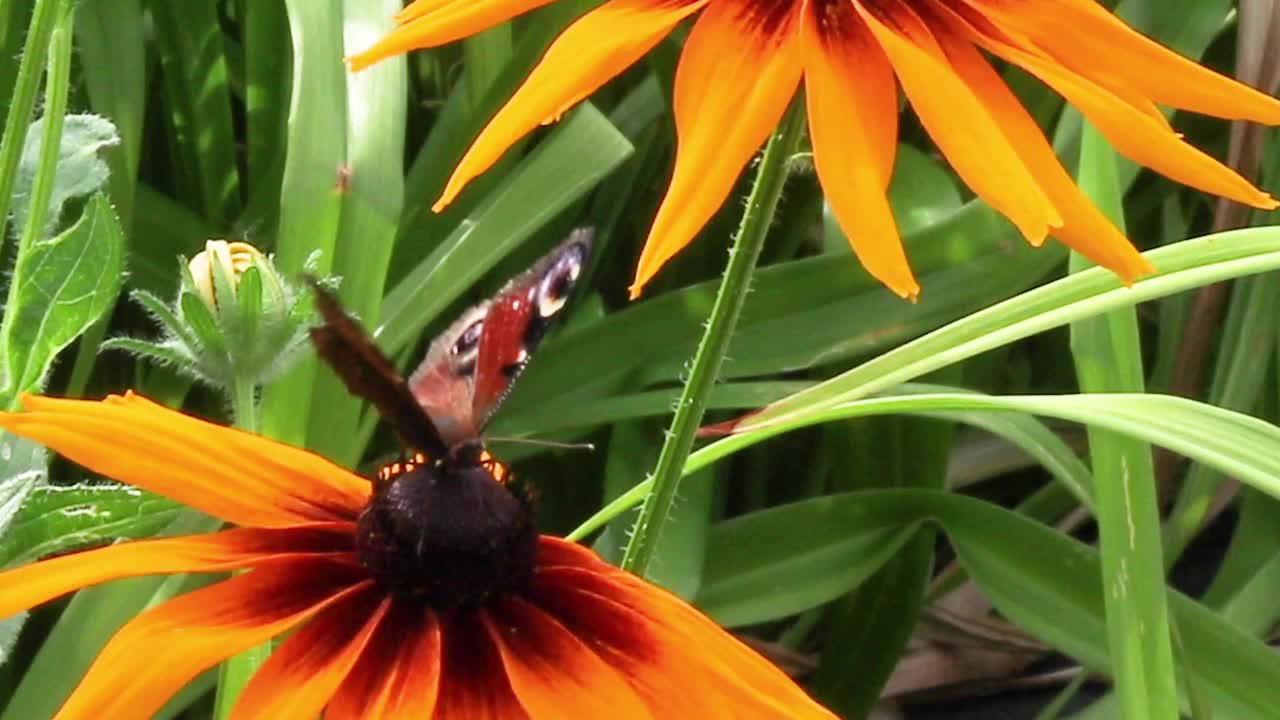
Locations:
{"points": [[744, 60], [565, 635]]}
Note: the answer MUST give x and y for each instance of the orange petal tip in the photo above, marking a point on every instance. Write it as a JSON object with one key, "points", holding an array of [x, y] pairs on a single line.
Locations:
{"points": [[361, 60], [909, 290]]}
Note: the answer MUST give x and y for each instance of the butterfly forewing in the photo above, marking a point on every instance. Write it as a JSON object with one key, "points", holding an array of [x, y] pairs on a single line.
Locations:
{"points": [[347, 348]]}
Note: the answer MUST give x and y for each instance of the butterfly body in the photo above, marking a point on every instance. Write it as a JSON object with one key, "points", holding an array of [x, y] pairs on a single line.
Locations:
{"points": [[446, 527]]}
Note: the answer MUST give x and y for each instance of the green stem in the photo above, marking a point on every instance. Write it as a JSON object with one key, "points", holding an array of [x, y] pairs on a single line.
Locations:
{"points": [[39, 33], [244, 404], [55, 109], [234, 673], [744, 254]]}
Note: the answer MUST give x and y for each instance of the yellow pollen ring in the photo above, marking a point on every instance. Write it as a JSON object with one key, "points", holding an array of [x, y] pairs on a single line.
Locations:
{"points": [[398, 468], [495, 468]]}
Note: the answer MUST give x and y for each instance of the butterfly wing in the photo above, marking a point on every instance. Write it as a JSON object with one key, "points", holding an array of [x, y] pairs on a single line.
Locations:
{"points": [[347, 348], [470, 368]]}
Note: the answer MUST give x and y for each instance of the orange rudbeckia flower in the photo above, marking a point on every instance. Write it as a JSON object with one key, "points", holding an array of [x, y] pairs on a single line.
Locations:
{"points": [[744, 60], [569, 637]]}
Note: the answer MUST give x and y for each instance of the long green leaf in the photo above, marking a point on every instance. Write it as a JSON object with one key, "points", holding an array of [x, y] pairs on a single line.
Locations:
{"points": [[1182, 266], [1108, 358], [1045, 582], [310, 206]]}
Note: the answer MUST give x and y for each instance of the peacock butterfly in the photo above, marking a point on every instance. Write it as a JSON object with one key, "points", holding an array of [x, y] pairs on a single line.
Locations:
{"points": [[445, 525]]}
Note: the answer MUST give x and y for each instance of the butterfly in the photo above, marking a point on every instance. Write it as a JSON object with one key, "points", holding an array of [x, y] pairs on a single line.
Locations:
{"points": [[469, 368], [447, 511]]}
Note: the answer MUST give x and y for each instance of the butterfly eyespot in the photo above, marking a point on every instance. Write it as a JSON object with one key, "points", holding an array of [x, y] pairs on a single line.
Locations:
{"points": [[469, 341], [554, 289]]}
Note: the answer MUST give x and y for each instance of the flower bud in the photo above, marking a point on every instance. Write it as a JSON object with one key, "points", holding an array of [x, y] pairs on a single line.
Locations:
{"points": [[230, 258], [236, 323]]}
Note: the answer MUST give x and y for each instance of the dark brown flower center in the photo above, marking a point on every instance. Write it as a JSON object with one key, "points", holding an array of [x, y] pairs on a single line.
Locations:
{"points": [[448, 535]]}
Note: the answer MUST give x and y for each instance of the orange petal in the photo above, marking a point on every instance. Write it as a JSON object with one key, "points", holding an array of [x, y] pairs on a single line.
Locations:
{"points": [[40, 582], [553, 673], [963, 129], [398, 675], [1086, 229], [429, 23], [589, 53], [233, 475], [736, 75], [555, 552], [302, 674], [473, 683], [163, 648], [680, 662], [1089, 39], [1133, 133], [853, 122]]}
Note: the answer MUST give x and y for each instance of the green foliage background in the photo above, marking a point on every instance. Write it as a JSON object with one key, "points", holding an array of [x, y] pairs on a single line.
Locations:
{"points": [[978, 470]]}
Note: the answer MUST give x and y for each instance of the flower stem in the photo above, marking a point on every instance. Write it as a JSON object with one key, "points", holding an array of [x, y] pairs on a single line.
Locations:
{"points": [[234, 675], [235, 672], [57, 43], [743, 256], [55, 110], [244, 404], [44, 15]]}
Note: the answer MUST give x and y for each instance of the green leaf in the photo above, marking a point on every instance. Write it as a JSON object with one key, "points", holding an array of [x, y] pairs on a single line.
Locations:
{"points": [[310, 210], [1048, 584], [58, 519], [1239, 382], [80, 170], [1108, 358], [1233, 443], [9, 629], [594, 412], [68, 282], [188, 40], [1181, 266], [111, 41], [753, 575], [23, 468], [1230, 442], [372, 201]]}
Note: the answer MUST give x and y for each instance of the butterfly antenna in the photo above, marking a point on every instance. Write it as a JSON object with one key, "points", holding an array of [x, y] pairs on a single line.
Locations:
{"points": [[589, 447]]}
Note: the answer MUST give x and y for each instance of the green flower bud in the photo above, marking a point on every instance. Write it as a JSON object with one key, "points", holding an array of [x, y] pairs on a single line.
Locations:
{"points": [[235, 325]]}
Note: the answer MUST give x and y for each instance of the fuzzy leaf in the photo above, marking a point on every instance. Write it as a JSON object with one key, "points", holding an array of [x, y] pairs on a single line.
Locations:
{"points": [[22, 469], [80, 172], [57, 519], [68, 282]]}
